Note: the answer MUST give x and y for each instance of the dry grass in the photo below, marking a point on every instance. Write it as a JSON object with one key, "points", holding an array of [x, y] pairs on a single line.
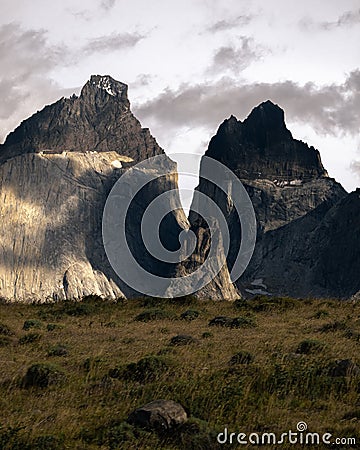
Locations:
{"points": [[88, 411]]}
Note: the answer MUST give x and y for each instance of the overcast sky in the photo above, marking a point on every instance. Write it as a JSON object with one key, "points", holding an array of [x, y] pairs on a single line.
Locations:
{"points": [[190, 64]]}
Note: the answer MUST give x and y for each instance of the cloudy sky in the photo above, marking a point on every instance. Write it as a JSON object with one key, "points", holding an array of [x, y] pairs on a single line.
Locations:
{"points": [[190, 64]]}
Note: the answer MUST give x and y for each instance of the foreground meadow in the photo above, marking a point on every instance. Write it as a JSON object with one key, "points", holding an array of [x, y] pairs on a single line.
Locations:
{"points": [[71, 373]]}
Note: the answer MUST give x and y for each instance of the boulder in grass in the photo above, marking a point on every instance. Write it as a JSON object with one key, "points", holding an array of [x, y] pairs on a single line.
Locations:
{"points": [[159, 415]]}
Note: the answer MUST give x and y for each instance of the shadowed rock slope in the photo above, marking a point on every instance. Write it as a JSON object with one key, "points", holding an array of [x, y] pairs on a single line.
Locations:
{"points": [[299, 209]]}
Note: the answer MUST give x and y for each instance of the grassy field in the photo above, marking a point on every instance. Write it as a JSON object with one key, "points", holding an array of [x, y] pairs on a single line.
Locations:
{"points": [[71, 373]]}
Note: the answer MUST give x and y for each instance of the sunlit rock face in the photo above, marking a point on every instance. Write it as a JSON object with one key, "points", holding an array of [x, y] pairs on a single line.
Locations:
{"points": [[56, 171]]}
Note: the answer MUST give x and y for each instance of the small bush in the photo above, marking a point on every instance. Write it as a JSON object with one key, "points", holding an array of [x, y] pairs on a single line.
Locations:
{"points": [[352, 415], [333, 326], [195, 434], [265, 303], [43, 375], [77, 309], [147, 369], [5, 330], [190, 314], [92, 363], [48, 442], [229, 322], [321, 314], [58, 350], [54, 327], [242, 357], [4, 341], [309, 346], [31, 323], [221, 321], [243, 322], [182, 339], [206, 335], [154, 314], [30, 338]]}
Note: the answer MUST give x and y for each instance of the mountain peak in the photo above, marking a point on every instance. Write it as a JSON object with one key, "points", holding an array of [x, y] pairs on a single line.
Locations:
{"points": [[99, 120], [104, 86], [265, 125], [262, 147]]}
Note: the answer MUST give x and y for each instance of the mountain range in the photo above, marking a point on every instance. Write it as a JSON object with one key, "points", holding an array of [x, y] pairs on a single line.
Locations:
{"points": [[58, 167]]}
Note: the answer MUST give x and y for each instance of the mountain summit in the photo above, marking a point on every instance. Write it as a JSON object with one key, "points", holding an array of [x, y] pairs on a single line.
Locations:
{"points": [[262, 147], [98, 120]]}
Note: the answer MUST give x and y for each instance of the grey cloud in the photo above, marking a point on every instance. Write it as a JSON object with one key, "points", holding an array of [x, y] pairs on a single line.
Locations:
{"points": [[355, 168], [26, 60], [236, 58], [347, 19], [107, 4], [223, 25], [112, 42], [331, 109]]}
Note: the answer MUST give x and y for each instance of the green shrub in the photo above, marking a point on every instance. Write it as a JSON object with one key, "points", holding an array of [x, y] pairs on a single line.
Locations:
{"points": [[190, 314], [154, 314], [242, 357], [206, 335], [182, 339], [54, 327], [265, 303], [195, 434], [243, 322], [31, 323], [333, 326], [321, 314], [48, 442], [4, 341], [92, 363], [310, 346], [5, 330], [147, 369], [352, 415], [43, 375], [229, 322], [58, 350], [30, 338], [77, 309]]}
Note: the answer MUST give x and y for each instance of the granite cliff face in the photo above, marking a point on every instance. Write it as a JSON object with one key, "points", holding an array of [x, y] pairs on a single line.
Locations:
{"points": [[317, 255], [293, 198], [56, 171], [58, 167]]}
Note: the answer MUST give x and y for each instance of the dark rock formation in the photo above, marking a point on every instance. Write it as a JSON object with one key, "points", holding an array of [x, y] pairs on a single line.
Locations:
{"points": [[300, 248], [159, 415], [262, 147], [98, 120], [316, 255]]}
